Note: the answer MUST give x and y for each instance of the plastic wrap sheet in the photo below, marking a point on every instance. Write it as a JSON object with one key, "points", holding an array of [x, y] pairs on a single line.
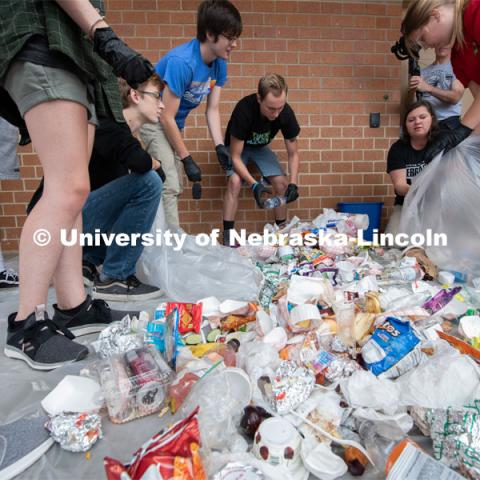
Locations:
{"points": [[194, 272], [445, 197]]}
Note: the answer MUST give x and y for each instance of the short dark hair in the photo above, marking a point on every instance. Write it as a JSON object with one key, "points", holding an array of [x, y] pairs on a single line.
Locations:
{"points": [[434, 127], [272, 83], [218, 17]]}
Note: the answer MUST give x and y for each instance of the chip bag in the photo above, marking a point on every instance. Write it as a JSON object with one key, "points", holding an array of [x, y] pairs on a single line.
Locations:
{"points": [[190, 316], [172, 455]]}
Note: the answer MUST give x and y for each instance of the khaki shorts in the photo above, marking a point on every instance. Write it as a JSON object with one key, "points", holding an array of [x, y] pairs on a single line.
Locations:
{"points": [[30, 84]]}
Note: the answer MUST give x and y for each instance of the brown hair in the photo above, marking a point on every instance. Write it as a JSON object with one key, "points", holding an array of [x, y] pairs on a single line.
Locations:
{"points": [[125, 88], [272, 83], [419, 12], [433, 128]]}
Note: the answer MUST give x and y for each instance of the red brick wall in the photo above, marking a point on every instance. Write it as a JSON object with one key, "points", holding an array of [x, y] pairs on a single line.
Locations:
{"points": [[337, 61]]}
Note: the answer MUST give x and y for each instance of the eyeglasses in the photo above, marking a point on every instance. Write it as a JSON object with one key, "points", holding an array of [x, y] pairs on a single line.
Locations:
{"points": [[156, 95], [229, 38]]}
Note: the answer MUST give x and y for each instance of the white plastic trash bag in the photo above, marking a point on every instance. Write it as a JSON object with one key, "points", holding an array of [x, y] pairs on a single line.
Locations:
{"points": [[445, 198], [194, 272]]}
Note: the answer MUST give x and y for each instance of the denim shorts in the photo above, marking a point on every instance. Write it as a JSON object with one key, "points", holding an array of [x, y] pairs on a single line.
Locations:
{"points": [[265, 160], [30, 85]]}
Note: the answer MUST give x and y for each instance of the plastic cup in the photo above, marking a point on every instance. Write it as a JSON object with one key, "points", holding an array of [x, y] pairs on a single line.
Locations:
{"points": [[345, 317]]}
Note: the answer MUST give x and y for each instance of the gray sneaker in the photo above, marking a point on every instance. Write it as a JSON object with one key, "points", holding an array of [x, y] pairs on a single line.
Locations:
{"points": [[22, 443], [40, 343], [124, 290]]}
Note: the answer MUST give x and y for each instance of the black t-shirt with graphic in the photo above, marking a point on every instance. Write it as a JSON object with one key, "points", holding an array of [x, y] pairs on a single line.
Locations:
{"points": [[403, 156], [249, 125]]}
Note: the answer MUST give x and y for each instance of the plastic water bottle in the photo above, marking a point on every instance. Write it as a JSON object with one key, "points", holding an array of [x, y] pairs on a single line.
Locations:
{"points": [[274, 202]]}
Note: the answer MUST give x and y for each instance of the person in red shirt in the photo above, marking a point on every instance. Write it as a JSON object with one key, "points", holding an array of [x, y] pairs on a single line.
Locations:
{"points": [[434, 23]]}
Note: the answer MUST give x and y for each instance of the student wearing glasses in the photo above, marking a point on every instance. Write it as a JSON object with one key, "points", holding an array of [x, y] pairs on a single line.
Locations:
{"points": [[126, 186], [193, 71]]}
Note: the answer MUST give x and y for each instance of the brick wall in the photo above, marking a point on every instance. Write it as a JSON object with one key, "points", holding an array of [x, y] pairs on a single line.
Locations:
{"points": [[337, 61]]}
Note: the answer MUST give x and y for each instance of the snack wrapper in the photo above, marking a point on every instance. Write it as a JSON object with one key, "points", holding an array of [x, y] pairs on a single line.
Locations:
{"points": [[172, 455], [392, 349], [334, 368], [455, 436], [75, 432], [190, 316], [439, 300]]}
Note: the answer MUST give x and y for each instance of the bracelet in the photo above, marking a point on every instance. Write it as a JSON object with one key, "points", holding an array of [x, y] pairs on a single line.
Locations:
{"points": [[94, 24]]}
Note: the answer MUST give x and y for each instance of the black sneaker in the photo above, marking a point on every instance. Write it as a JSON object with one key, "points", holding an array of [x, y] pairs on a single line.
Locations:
{"points": [[124, 290], [8, 279], [40, 343], [90, 272], [93, 318]]}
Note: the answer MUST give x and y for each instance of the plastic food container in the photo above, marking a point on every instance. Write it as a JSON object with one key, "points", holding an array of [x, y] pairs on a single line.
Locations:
{"points": [[135, 384]]}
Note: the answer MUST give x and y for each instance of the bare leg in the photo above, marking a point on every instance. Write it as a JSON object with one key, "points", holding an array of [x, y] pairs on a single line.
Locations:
{"points": [[59, 133], [230, 204], [280, 184], [68, 279]]}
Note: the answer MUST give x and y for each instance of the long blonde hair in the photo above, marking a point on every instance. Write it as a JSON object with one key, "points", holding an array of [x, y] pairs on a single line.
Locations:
{"points": [[419, 12]]}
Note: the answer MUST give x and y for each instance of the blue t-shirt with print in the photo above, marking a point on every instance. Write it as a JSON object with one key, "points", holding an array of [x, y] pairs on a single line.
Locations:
{"points": [[189, 77]]}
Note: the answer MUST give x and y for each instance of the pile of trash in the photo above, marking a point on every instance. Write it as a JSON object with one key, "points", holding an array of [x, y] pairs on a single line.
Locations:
{"points": [[348, 350]]}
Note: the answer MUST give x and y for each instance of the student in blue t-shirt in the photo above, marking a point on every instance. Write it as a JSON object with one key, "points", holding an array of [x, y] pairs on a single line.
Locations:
{"points": [[193, 71]]}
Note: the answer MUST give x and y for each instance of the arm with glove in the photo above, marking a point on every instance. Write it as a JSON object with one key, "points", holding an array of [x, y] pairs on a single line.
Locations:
{"points": [[125, 62], [291, 194], [445, 140], [214, 126], [170, 127], [259, 191], [470, 121]]}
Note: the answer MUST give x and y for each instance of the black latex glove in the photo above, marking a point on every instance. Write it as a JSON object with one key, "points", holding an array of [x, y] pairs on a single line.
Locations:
{"points": [[258, 191], [291, 194], [126, 62], [197, 191], [224, 158], [446, 140], [161, 174], [192, 170]]}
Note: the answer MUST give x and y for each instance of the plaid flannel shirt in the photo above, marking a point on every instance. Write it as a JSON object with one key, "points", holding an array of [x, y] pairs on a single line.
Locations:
{"points": [[21, 19]]}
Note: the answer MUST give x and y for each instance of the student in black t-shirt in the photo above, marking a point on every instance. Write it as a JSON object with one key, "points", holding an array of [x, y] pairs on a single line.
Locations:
{"points": [[255, 121], [126, 185], [406, 157]]}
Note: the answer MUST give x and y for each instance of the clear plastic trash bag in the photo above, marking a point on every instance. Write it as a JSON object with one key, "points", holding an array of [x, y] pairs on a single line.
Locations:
{"points": [[445, 198], [195, 272]]}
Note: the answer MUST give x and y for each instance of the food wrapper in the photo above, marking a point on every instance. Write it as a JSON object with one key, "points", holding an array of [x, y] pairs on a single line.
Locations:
{"points": [[117, 338], [455, 436], [291, 386], [439, 300], [393, 349], [190, 316], [239, 471], [332, 367], [75, 432], [172, 455]]}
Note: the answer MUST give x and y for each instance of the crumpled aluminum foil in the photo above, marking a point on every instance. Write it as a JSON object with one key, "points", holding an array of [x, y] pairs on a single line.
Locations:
{"points": [[340, 368], [291, 386], [338, 345], [75, 432], [117, 338], [238, 471], [455, 434]]}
